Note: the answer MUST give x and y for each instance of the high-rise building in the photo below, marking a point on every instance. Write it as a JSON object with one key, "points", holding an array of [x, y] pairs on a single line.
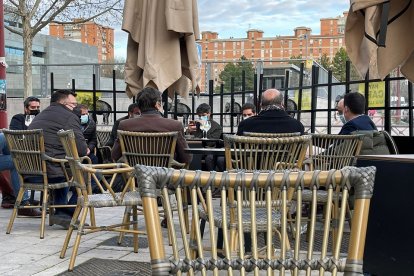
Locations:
{"points": [[257, 47], [89, 33]]}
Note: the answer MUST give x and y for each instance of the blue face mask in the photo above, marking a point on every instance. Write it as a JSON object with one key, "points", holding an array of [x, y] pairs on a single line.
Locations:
{"points": [[84, 119], [342, 118], [204, 118]]}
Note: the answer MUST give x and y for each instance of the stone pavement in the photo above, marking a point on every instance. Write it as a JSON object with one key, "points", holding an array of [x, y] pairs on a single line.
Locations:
{"points": [[22, 252]]}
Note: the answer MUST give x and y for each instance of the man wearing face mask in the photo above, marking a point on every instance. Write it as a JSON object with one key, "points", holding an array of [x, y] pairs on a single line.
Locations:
{"points": [[88, 127], [31, 109], [340, 108], [59, 115]]}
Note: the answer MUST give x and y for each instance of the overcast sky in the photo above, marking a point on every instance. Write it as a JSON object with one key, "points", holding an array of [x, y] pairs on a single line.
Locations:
{"points": [[232, 18]]}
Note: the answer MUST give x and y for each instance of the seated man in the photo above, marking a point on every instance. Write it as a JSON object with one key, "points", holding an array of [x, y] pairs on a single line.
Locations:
{"points": [[133, 112], [215, 132], [88, 127], [248, 110], [353, 107], [31, 109], [59, 115], [6, 163], [151, 120], [272, 118]]}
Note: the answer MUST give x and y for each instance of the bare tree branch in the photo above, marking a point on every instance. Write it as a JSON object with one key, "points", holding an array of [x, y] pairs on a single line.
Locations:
{"points": [[14, 3], [13, 30], [86, 19], [34, 8], [35, 26], [51, 17]]}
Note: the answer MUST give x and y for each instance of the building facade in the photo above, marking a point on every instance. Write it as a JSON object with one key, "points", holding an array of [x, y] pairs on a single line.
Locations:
{"points": [[89, 33], [256, 47]]}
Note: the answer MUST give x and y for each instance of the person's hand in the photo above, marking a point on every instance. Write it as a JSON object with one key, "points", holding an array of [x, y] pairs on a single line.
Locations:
{"points": [[192, 126], [88, 151]]}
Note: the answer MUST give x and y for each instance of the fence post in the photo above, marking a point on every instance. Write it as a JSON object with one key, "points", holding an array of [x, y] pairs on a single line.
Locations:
{"points": [[210, 94], [243, 87], [366, 85], [73, 86], [52, 83], [300, 92], [114, 93], [231, 104], [221, 103], [329, 101], [410, 110], [315, 76], [387, 111], [175, 106], [94, 97], [347, 76], [286, 88]]}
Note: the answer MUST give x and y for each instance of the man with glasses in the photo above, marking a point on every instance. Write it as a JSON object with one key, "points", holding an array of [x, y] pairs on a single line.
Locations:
{"points": [[59, 115], [31, 109]]}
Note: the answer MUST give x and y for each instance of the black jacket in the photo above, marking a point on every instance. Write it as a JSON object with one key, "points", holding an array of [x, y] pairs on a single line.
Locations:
{"points": [[17, 122], [114, 131], [54, 118], [89, 132], [271, 121]]}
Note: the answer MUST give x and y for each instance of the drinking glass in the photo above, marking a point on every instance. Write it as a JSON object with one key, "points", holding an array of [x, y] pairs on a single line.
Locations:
{"points": [[205, 127]]}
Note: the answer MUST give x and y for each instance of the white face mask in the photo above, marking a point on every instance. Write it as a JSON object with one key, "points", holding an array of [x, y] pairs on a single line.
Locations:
{"points": [[342, 118]]}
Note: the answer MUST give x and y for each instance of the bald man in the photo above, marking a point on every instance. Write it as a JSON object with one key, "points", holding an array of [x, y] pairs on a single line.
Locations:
{"points": [[272, 117]]}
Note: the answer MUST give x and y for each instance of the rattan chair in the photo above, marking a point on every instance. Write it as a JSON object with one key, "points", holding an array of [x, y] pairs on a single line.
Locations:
{"points": [[104, 176], [103, 151], [27, 149], [271, 135], [193, 254], [148, 148], [257, 153]]}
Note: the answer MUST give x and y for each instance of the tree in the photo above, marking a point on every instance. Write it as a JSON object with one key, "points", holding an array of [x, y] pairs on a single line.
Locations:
{"points": [[34, 15], [296, 60], [234, 70], [325, 62], [339, 66], [117, 64]]}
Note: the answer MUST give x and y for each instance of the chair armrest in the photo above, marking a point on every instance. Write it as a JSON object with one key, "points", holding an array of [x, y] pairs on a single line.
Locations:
{"points": [[177, 165]]}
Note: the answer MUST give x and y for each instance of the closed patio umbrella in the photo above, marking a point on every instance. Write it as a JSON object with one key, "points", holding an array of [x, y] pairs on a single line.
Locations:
{"points": [[379, 37], [161, 49]]}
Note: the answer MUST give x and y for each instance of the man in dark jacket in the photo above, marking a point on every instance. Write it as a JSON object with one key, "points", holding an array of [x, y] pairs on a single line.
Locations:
{"points": [[59, 115], [150, 103], [31, 109], [88, 127], [215, 132], [353, 112], [272, 117], [133, 111]]}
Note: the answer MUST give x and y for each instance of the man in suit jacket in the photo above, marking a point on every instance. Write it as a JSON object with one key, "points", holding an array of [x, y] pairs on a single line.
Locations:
{"points": [[150, 103], [272, 118]]}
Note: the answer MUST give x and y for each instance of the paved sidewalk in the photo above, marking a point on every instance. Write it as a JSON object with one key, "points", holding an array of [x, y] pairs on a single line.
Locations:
{"points": [[22, 252]]}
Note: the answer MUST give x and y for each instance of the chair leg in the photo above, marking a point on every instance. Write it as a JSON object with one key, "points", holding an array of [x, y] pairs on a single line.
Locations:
{"points": [[78, 236], [44, 208], [69, 233], [16, 207], [135, 226], [125, 220], [92, 216]]}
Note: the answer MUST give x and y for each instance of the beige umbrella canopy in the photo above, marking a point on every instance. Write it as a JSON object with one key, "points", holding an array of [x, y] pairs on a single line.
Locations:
{"points": [[161, 50], [379, 36]]}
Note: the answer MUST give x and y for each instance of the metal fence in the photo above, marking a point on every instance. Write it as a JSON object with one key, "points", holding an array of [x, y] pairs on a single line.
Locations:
{"points": [[314, 91]]}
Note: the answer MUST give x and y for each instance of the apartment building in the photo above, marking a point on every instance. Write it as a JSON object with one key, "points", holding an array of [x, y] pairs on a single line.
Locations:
{"points": [[257, 47], [88, 33]]}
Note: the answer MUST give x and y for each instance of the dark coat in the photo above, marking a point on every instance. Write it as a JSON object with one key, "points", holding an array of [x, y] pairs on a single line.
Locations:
{"points": [[362, 122], [215, 132], [17, 122], [151, 122], [114, 131], [271, 121], [54, 118], [89, 132]]}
